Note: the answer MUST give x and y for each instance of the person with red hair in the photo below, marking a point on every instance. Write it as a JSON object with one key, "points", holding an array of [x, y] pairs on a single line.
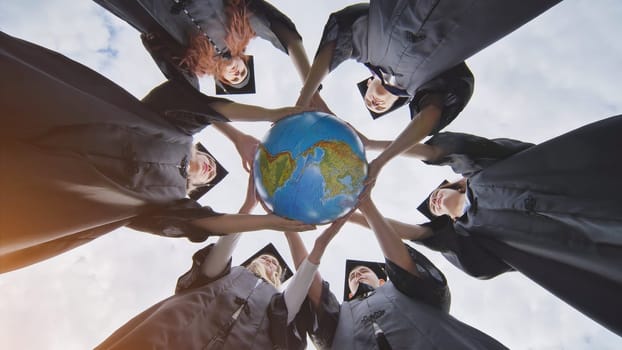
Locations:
{"points": [[194, 38]]}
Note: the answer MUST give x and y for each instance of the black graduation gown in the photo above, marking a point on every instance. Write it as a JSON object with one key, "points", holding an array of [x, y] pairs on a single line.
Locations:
{"points": [[411, 311], [166, 28], [200, 315], [551, 211], [417, 40], [84, 157], [422, 44]]}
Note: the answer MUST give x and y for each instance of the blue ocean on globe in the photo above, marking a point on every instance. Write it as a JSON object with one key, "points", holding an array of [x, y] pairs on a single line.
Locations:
{"points": [[310, 167]]}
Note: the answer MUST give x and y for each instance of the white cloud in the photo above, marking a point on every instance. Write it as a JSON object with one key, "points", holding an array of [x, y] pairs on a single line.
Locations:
{"points": [[556, 73]]}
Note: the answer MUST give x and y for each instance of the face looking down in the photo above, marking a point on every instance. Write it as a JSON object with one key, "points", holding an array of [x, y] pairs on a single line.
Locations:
{"points": [[201, 168], [445, 201], [362, 274], [377, 98], [270, 264], [235, 72]]}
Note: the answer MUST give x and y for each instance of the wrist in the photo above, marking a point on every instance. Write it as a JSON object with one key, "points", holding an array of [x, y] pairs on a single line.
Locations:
{"points": [[365, 206], [382, 159], [316, 253]]}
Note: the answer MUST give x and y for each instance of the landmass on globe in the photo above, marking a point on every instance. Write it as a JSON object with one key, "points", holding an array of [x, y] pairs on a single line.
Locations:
{"points": [[339, 166], [277, 169], [310, 167]]}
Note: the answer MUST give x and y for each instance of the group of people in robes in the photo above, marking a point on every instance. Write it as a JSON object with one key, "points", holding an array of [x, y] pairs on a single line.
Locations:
{"points": [[550, 211]]}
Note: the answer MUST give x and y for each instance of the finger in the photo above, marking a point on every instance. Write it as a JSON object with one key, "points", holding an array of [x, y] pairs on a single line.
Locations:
{"points": [[301, 109], [298, 102], [369, 181], [305, 227], [364, 196]]}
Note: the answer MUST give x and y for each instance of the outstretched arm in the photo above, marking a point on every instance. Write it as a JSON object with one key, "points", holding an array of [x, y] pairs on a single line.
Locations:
{"points": [[318, 71], [298, 55], [250, 113], [300, 256], [418, 128], [244, 143], [295, 48], [390, 243], [404, 231], [419, 151], [234, 223], [220, 254]]}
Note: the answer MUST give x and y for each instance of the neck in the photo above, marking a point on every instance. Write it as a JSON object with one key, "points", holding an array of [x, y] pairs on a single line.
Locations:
{"points": [[459, 210]]}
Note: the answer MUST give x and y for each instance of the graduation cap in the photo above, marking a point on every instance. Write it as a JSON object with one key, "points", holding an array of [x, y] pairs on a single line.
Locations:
{"points": [[246, 86], [377, 267], [269, 249], [362, 86], [424, 207], [221, 172]]}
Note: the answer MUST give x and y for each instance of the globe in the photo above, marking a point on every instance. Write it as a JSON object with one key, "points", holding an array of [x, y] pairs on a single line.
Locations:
{"points": [[310, 167]]}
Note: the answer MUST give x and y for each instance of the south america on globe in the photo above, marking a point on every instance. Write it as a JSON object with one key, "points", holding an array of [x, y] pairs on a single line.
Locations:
{"points": [[310, 167]]}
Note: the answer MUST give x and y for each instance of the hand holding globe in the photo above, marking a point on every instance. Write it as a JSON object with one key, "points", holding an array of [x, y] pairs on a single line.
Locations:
{"points": [[310, 167]]}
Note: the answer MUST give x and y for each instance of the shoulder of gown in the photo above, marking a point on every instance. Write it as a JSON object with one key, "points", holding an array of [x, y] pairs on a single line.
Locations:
{"points": [[186, 108], [468, 154], [463, 250], [271, 16], [194, 278], [175, 220], [454, 87], [321, 320], [164, 44], [429, 287], [345, 27]]}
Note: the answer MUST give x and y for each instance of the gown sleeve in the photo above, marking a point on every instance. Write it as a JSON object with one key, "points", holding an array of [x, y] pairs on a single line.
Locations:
{"points": [[272, 16], [340, 27], [175, 220], [292, 335], [163, 48], [166, 53], [468, 154], [463, 251], [186, 108], [429, 287], [322, 321], [194, 278], [454, 87]]}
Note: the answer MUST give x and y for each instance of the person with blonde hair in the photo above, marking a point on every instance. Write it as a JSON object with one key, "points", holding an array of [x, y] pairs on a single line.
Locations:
{"points": [[217, 306]]}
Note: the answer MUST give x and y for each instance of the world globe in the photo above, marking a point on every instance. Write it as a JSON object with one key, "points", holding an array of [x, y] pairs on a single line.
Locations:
{"points": [[310, 167]]}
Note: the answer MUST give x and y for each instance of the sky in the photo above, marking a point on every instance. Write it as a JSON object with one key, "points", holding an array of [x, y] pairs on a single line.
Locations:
{"points": [[558, 72]]}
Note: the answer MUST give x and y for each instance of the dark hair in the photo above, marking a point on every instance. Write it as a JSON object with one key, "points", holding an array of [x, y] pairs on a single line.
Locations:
{"points": [[424, 207], [459, 186], [362, 87]]}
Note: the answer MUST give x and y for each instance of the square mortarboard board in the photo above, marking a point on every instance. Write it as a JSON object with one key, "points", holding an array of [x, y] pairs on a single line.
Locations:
{"points": [[247, 86], [362, 86], [424, 207], [221, 172], [269, 249], [377, 267]]}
